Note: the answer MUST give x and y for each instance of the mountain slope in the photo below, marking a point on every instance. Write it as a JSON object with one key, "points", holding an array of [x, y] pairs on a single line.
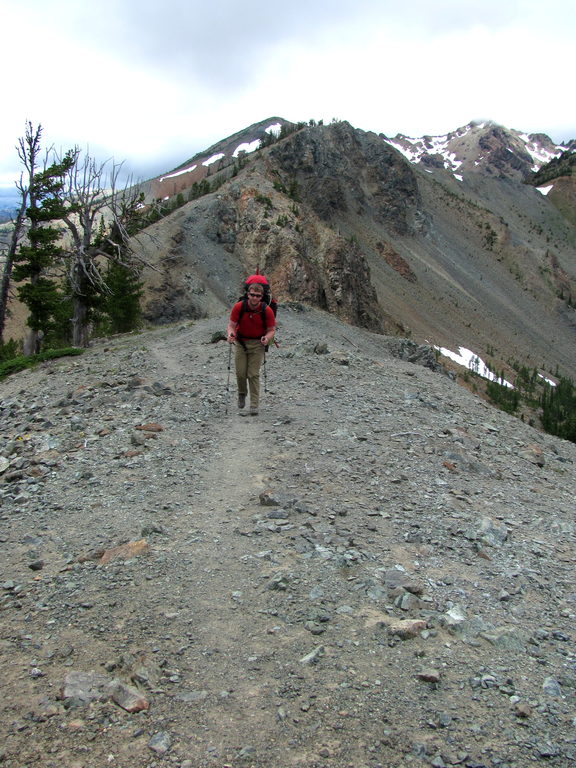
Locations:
{"points": [[444, 240], [481, 147], [339, 218], [220, 155], [557, 180]]}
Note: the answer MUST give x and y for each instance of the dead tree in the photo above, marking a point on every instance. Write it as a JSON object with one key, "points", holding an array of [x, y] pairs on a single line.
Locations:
{"points": [[28, 150], [94, 197], [10, 256]]}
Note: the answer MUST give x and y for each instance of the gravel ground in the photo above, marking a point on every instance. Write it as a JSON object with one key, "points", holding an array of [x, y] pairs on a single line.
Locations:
{"points": [[378, 570]]}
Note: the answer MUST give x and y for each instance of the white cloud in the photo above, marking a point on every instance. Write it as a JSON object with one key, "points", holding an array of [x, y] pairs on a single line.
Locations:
{"points": [[156, 86]]}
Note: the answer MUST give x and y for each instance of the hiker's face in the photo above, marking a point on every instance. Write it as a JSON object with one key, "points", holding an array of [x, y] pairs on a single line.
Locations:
{"points": [[254, 297]]}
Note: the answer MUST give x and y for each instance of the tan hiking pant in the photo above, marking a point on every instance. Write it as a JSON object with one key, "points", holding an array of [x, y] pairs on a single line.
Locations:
{"points": [[248, 362]]}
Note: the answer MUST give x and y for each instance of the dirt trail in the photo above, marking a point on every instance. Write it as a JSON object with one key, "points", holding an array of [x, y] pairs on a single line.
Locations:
{"points": [[265, 636]]}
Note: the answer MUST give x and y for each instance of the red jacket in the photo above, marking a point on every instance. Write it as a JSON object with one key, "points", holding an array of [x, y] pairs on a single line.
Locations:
{"points": [[251, 325]]}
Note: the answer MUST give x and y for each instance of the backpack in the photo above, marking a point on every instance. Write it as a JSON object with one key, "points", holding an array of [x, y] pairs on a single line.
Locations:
{"points": [[267, 298]]}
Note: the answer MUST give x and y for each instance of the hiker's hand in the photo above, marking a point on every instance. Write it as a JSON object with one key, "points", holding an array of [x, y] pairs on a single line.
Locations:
{"points": [[231, 338], [264, 341]]}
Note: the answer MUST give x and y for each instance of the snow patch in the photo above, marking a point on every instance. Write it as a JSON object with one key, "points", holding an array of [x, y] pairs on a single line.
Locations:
{"points": [[247, 147], [178, 173], [547, 380], [473, 362], [540, 155], [430, 145], [213, 159]]}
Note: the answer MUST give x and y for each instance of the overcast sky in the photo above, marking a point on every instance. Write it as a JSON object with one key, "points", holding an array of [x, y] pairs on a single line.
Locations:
{"points": [[152, 83]]}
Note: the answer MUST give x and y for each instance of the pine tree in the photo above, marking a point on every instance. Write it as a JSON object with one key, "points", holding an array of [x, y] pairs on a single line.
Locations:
{"points": [[120, 308], [37, 260], [559, 409], [122, 303]]}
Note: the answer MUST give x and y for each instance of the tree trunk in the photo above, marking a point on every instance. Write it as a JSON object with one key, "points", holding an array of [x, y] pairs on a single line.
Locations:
{"points": [[4, 289], [9, 263], [32, 343], [79, 323]]}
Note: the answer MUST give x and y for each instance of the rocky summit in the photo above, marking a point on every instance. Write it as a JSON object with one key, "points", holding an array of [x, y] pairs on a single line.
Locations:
{"points": [[377, 571]]}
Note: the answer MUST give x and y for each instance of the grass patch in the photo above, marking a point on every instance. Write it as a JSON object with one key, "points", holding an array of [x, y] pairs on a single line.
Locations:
{"points": [[20, 363]]}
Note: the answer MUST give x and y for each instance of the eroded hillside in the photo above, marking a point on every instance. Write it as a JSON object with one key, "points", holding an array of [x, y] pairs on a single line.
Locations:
{"points": [[338, 218]]}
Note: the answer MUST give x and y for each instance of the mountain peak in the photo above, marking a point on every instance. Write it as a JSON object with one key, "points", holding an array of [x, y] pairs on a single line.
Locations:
{"points": [[480, 146], [224, 152]]}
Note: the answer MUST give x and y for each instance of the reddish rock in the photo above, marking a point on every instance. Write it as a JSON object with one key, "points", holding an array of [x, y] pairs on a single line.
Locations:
{"points": [[407, 629], [128, 697], [125, 551]]}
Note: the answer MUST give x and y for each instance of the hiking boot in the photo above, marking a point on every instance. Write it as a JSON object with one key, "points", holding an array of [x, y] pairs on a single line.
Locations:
{"points": [[241, 401], [253, 411]]}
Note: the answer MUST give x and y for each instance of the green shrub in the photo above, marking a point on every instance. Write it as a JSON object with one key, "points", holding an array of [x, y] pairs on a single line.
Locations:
{"points": [[9, 350], [20, 363]]}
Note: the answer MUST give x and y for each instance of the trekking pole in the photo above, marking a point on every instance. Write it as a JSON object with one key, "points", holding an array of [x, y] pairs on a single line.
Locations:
{"points": [[228, 381], [265, 377]]}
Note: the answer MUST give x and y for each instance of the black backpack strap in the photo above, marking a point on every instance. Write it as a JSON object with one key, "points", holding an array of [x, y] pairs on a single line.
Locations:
{"points": [[243, 308]]}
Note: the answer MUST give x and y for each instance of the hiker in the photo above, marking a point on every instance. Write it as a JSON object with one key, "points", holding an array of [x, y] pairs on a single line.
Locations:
{"points": [[251, 327]]}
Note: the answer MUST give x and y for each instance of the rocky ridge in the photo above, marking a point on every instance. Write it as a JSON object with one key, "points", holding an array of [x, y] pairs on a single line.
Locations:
{"points": [[482, 147], [376, 571], [338, 218], [450, 248]]}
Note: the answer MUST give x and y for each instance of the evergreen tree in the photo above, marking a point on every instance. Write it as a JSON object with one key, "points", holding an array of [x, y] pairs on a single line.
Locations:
{"points": [[37, 260], [505, 398], [122, 304], [122, 289], [59, 332], [65, 289], [559, 409]]}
